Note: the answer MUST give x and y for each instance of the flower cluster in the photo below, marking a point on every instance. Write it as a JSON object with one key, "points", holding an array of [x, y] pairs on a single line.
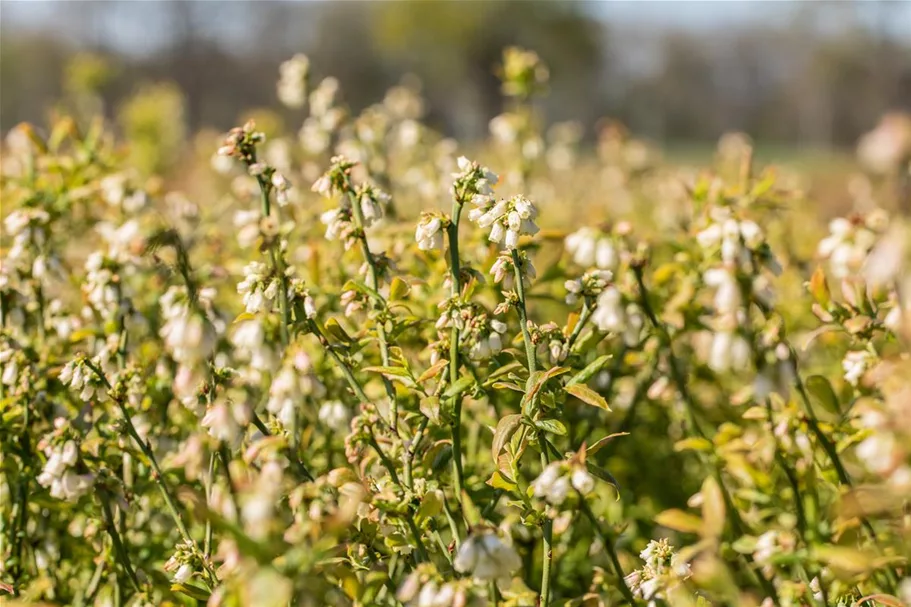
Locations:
{"points": [[59, 474], [850, 241], [557, 480], [590, 247], [292, 83], [507, 219], [485, 556], [661, 575]]}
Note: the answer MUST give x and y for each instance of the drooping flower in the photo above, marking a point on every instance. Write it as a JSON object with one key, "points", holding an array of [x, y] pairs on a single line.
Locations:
{"points": [[429, 233], [486, 557], [292, 83]]}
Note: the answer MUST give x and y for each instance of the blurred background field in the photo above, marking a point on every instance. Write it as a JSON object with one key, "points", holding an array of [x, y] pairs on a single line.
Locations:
{"points": [[807, 74], [804, 79]]}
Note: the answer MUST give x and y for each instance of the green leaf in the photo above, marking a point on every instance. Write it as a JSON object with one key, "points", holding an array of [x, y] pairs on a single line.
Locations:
{"points": [[471, 512], [502, 371], [498, 480], [192, 591], [678, 520], [603, 474], [505, 429], [745, 544], [351, 284], [590, 370], [431, 505], [822, 394], [462, 384], [587, 395], [536, 382], [693, 444], [887, 600], [713, 508], [846, 559], [602, 442], [335, 330], [552, 426], [398, 289], [819, 289], [394, 371], [501, 385], [433, 371]]}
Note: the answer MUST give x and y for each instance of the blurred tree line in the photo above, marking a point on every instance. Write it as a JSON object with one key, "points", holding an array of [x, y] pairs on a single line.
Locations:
{"points": [[820, 77]]}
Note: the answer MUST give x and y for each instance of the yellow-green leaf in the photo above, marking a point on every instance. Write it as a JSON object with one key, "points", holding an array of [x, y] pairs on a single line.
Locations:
{"points": [[678, 520], [713, 508], [587, 395], [505, 428], [601, 442]]}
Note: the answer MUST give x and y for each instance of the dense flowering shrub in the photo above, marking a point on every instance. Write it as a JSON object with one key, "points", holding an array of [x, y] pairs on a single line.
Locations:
{"points": [[320, 385]]}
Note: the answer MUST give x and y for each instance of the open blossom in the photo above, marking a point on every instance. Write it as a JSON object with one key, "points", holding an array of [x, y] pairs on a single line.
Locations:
{"points": [[729, 233], [612, 315], [78, 376], [609, 314], [292, 83], [849, 242], [507, 220], [727, 294], [728, 351], [224, 422], [59, 474], [489, 343], [855, 365], [473, 182], [257, 511], [258, 290], [282, 187], [591, 284], [429, 233], [250, 338], [879, 452], [662, 573], [771, 544], [188, 334], [371, 200], [557, 479], [335, 415], [592, 247], [503, 270], [337, 222], [486, 557]]}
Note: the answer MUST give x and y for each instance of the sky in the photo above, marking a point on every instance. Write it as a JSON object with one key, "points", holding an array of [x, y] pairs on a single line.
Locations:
{"points": [[136, 30]]}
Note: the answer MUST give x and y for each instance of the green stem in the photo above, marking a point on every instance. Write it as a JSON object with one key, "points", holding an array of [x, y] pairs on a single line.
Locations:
{"points": [[374, 283], [225, 458], [341, 364], [608, 543], [119, 550], [455, 291], [213, 462], [409, 518], [277, 262], [548, 531], [548, 551], [523, 314], [157, 475], [580, 324], [19, 528]]}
